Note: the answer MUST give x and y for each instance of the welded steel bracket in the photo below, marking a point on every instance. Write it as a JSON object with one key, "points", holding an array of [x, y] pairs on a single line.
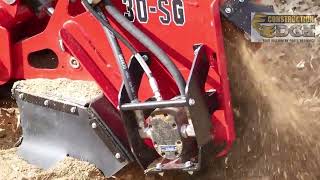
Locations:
{"points": [[239, 12], [53, 130], [194, 101]]}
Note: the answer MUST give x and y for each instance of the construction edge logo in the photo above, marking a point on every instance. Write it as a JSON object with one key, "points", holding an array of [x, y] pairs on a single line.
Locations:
{"points": [[270, 27]]}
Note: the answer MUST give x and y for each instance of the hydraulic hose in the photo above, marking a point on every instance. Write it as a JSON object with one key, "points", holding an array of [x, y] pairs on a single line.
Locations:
{"points": [[115, 46], [148, 43], [122, 66], [124, 71], [107, 25]]}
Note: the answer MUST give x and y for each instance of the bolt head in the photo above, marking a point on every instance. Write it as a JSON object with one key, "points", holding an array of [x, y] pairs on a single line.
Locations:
{"points": [[74, 63], [188, 164], [228, 10], [241, 1], [94, 125], [21, 96], [118, 155], [73, 109], [46, 102], [192, 102], [158, 166], [145, 57]]}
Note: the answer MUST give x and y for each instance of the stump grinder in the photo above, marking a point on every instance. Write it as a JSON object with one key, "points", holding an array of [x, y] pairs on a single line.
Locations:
{"points": [[161, 68]]}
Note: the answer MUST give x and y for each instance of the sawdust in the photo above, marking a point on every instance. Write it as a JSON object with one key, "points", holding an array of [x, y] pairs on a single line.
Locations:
{"points": [[275, 91], [13, 167], [279, 134], [76, 91]]}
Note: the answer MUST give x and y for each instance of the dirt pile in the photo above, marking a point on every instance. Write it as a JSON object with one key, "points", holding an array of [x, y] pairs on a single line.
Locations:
{"points": [[9, 124], [13, 167], [76, 91]]}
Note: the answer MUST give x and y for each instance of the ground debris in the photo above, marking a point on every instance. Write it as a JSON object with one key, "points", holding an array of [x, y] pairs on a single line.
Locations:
{"points": [[13, 167], [2, 133], [76, 91]]}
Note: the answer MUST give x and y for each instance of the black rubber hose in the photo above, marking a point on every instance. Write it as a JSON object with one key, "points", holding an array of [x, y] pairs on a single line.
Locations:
{"points": [[123, 67], [148, 43], [107, 25]]}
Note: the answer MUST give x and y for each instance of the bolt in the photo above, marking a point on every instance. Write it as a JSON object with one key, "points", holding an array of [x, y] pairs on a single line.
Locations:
{"points": [[161, 174], [228, 10], [50, 10], [46, 102], [158, 166], [21, 96], [241, 1], [94, 125], [90, 1], [74, 63], [192, 102], [117, 155], [145, 57], [187, 164], [73, 109], [190, 172]]}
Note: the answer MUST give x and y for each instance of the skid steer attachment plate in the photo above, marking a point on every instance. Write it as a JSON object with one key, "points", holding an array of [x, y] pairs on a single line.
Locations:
{"points": [[53, 130]]}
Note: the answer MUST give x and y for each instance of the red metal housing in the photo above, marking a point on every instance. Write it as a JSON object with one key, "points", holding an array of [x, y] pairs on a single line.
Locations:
{"points": [[26, 36]]}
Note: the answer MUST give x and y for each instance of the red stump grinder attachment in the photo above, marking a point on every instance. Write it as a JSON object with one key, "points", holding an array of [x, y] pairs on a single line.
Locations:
{"points": [[161, 68]]}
